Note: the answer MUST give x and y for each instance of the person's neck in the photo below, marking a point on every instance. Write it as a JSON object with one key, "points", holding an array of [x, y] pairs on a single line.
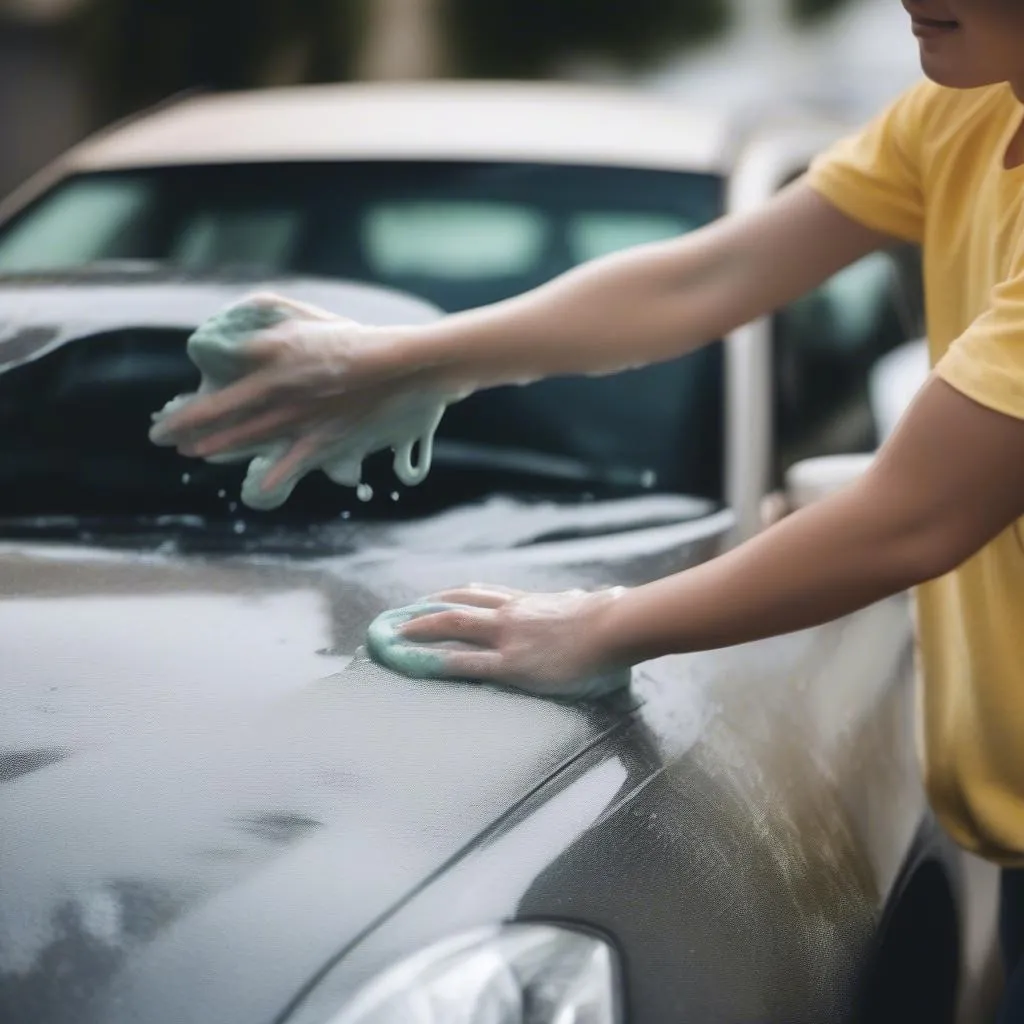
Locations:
{"points": [[1014, 155]]}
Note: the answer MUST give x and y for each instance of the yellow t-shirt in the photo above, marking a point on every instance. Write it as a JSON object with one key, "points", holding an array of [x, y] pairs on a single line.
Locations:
{"points": [[931, 170]]}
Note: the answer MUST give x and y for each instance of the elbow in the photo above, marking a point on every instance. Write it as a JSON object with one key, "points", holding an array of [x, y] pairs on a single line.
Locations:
{"points": [[925, 549], [914, 534]]}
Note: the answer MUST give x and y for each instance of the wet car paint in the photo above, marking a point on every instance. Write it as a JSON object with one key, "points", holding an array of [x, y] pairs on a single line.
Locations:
{"points": [[729, 897], [193, 689], [736, 878], [231, 765], [214, 808]]}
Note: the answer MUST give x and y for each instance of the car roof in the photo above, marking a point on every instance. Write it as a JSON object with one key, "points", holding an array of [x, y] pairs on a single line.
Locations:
{"points": [[532, 122]]}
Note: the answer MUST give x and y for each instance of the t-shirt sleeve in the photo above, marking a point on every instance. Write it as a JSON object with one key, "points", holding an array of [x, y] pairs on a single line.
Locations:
{"points": [[986, 362], [876, 175]]}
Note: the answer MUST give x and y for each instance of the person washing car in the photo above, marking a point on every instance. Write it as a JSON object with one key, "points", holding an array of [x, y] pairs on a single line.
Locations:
{"points": [[940, 510]]}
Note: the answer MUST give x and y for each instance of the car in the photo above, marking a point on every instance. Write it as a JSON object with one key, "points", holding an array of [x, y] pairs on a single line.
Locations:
{"points": [[215, 807], [895, 379]]}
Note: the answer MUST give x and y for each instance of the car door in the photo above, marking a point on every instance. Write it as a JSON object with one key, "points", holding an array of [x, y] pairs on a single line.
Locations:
{"points": [[804, 383]]}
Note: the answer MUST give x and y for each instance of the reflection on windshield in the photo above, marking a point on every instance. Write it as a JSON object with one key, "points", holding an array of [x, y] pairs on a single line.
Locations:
{"points": [[73, 425], [458, 234]]}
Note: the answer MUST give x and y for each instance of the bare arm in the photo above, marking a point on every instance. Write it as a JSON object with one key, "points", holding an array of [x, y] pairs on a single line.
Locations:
{"points": [[949, 480], [654, 302], [315, 372]]}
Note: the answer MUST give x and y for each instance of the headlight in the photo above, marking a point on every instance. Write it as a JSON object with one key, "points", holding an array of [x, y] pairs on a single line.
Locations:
{"points": [[515, 974]]}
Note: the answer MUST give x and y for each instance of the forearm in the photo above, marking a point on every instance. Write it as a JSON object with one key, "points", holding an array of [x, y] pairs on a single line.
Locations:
{"points": [[946, 483], [815, 566], [649, 304], [643, 306]]}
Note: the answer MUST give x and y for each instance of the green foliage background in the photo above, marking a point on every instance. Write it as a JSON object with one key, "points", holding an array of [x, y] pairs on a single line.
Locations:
{"points": [[136, 52], [524, 38]]}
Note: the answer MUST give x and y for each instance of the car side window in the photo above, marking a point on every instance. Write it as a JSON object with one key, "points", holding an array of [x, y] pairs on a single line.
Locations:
{"points": [[85, 220], [824, 348]]}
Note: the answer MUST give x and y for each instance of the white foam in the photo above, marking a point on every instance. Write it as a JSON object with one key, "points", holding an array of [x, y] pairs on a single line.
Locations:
{"points": [[404, 424]]}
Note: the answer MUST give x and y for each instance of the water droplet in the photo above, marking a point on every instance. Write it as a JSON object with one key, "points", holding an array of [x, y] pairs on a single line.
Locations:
{"points": [[186, 478], [233, 506], [222, 494], [346, 515], [364, 492], [394, 495], [648, 479], [239, 526]]}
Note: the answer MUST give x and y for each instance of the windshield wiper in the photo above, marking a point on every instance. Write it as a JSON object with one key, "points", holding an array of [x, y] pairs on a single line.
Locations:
{"points": [[488, 458]]}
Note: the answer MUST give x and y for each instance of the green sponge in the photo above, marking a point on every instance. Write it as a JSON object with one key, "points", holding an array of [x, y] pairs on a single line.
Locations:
{"points": [[388, 647]]}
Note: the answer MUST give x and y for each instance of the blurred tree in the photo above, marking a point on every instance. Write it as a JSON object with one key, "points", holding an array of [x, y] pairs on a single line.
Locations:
{"points": [[808, 11], [516, 38], [403, 39], [137, 52]]}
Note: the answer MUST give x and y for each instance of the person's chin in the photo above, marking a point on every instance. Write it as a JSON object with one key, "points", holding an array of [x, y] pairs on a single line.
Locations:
{"points": [[953, 75]]}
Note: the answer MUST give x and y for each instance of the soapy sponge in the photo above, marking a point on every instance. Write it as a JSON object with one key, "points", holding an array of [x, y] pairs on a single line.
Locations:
{"points": [[388, 647], [419, 660], [217, 348]]}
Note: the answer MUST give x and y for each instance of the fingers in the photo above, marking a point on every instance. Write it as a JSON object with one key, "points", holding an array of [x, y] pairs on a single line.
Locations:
{"points": [[499, 588], [478, 595], [203, 413], [305, 309], [266, 298], [264, 427], [292, 462], [257, 427], [466, 625], [477, 666]]}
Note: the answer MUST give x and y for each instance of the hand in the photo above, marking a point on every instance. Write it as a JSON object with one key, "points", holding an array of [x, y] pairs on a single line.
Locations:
{"points": [[309, 377], [547, 644]]}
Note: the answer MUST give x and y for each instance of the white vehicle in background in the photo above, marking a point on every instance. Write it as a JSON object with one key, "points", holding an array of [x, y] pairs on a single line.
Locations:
{"points": [[464, 194]]}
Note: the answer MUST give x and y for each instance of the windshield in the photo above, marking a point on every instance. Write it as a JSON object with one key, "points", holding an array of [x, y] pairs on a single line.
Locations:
{"points": [[74, 424]]}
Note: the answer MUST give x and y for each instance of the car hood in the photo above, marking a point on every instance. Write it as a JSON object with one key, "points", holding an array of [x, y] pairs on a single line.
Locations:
{"points": [[195, 750]]}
